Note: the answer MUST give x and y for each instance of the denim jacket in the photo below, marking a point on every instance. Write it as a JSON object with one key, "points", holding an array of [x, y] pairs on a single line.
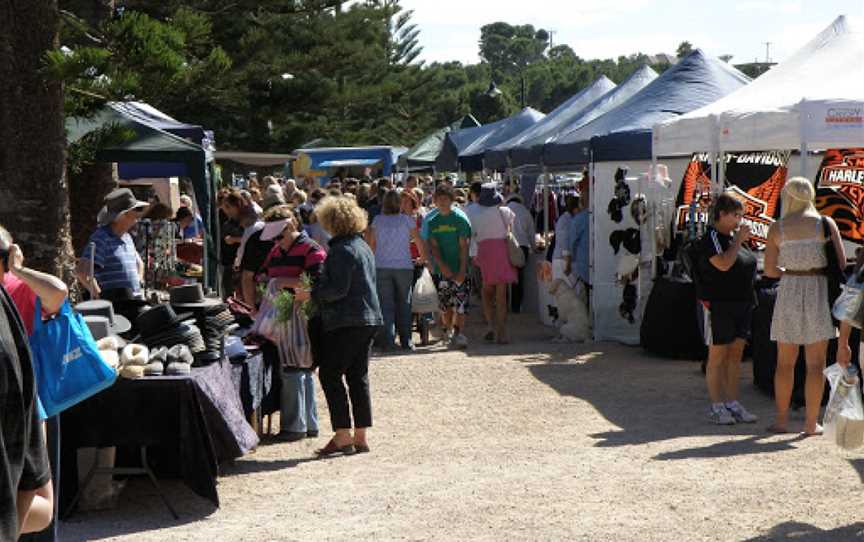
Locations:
{"points": [[345, 292]]}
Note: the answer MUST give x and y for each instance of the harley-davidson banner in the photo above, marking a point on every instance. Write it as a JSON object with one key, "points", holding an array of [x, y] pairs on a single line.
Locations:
{"points": [[840, 191], [757, 178]]}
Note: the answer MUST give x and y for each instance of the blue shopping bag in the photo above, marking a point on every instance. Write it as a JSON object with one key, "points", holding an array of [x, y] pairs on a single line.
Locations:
{"points": [[68, 365]]}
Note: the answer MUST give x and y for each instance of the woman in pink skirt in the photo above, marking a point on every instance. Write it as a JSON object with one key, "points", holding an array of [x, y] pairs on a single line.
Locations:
{"points": [[490, 225]]}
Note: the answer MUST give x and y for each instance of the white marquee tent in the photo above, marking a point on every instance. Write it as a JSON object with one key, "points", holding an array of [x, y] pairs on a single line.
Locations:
{"points": [[813, 100]]}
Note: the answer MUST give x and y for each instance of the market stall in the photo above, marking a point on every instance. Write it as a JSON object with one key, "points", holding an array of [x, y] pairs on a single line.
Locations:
{"points": [[422, 156], [145, 143], [618, 147], [498, 157], [747, 142], [463, 149]]}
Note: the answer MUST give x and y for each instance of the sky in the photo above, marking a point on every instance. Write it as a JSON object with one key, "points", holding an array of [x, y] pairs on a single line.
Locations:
{"points": [[450, 29]]}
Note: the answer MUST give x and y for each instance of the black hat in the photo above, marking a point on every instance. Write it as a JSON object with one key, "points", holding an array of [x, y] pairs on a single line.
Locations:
{"points": [[489, 196], [101, 307], [158, 319], [118, 202], [191, 296]]}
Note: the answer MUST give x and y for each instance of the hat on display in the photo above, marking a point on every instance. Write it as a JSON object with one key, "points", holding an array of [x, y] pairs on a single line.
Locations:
{"points": [[489, 196], [191, 296], [159, 319], [101, 307], [100, 329], [118, 202]]}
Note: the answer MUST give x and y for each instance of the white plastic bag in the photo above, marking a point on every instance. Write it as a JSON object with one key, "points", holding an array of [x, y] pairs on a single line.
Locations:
{"points": [[844, 414], [425, 297], [265, 324], [848, 307]]}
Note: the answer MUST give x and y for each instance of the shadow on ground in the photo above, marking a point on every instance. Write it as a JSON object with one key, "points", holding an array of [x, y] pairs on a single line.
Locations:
{"points": [[649, 399], [139, 510], [803, 532]]}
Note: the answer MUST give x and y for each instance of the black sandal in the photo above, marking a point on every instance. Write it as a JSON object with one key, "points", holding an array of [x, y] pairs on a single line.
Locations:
{"points": [[361, 448], [332, 449]]}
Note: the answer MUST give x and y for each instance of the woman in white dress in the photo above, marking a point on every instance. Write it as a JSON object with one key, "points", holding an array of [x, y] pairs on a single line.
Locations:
{"points": [[795, 252]]}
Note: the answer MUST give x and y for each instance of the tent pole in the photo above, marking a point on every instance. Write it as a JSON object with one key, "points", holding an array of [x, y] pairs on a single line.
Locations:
{"points": [[721, 172], [545, 206], [592, 230], [803, 161]]}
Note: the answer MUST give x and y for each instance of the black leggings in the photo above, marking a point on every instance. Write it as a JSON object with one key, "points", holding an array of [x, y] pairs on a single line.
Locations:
{"points": [[345, 352]]}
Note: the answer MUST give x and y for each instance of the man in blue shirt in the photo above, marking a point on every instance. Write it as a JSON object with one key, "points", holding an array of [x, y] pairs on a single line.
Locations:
{"points": [[580, 243], [117, 267]]}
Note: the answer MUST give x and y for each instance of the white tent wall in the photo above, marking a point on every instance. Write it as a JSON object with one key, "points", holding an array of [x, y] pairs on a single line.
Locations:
{"points": [[609, 325]]}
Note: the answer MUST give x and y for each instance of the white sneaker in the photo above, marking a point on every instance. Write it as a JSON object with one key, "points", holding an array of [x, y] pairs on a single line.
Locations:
{"points": [[720, 415], [740, 413], [459, 341]]}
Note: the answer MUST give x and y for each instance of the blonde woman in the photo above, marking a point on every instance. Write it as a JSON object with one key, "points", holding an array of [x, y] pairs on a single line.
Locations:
{"points": [[347, 299], [795, 253]]}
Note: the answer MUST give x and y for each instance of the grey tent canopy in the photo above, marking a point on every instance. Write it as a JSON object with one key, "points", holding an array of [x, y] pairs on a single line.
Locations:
{"points": [[497, 156], [464, 148], [151, 144], [530, 150], [426, 151], [624, 133]]}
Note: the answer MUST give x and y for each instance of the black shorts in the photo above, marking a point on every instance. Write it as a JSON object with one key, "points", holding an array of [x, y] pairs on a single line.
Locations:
{"points": [[726, 321]]}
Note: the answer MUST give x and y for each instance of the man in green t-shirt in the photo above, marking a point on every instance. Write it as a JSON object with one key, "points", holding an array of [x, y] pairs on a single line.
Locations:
{"points": [[449, 235]]}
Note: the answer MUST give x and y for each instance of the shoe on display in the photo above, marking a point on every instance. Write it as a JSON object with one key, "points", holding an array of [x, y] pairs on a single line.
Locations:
{"points": [[719, 415], [740, 413]]}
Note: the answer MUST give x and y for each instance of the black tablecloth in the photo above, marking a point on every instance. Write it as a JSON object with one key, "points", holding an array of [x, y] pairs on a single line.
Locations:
{"points": [[189, 424], [670, 325]]}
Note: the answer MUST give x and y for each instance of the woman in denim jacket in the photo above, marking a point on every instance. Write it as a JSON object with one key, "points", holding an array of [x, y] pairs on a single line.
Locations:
{"points": [[346, 297]]}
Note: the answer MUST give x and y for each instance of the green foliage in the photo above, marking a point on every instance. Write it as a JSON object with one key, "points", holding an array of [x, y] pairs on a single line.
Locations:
{"points": [[684, 49], [269, 75]]}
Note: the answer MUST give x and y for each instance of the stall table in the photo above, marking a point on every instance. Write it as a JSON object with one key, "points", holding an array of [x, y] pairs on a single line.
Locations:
{"points": [[188, 423]]}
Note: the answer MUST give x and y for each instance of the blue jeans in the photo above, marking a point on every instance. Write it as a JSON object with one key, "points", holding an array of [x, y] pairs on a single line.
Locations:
{"points": [[299, 414], [394, 295]]}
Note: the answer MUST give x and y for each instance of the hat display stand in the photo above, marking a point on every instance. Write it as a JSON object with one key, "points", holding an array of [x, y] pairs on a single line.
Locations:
{"points": [[212, 317]]}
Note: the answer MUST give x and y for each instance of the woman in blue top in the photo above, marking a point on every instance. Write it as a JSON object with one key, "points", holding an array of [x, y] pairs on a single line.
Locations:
{"points": [[390, 237]]}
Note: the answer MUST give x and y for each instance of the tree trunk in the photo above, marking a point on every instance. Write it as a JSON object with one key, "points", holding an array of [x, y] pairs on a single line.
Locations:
{"points": [[34, 197], [87, 190]]}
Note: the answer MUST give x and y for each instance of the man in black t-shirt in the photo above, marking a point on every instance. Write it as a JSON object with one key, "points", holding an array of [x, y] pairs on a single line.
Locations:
{"points": [[254, 254], [727, 271], [26, 499]]}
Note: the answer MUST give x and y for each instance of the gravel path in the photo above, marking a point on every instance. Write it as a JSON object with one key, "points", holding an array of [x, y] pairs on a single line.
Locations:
{"points": [[532, 441]]}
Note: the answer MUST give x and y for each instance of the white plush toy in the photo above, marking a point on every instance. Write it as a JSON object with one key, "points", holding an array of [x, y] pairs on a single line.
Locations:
{"points": [[574, 323]]}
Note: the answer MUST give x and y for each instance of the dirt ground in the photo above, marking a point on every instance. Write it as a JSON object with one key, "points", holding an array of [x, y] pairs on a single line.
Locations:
{"points": [[531, 441]]}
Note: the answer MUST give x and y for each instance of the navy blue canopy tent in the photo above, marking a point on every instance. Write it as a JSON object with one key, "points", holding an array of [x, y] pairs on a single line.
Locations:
{"points": [[530, 151], [464, 148], [497, 156], [624, 133]]}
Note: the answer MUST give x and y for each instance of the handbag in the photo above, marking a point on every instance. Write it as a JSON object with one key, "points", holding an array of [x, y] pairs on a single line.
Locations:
{"points": [[69, 368], [514, 251], [836, 276]]}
